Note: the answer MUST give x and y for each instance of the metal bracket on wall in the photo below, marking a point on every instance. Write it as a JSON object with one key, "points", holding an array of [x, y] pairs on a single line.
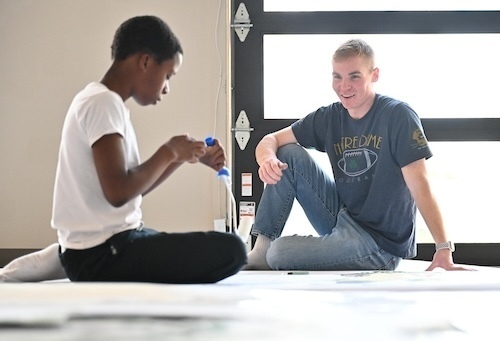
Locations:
{"points": [[242, 130], [242, 23]]}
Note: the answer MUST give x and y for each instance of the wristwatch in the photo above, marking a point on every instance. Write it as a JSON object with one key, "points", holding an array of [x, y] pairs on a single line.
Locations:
{"points": [[446, 245]]}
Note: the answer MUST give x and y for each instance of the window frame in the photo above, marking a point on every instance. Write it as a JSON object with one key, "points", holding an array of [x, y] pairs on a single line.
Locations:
{"points": [[248, 92]]}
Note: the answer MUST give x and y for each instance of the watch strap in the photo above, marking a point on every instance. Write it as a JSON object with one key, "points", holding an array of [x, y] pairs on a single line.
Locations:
{"points": [[446, 245]]}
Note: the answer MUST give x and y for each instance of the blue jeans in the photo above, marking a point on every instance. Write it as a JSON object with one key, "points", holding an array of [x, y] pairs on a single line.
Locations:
{"points": [[342, 243]]}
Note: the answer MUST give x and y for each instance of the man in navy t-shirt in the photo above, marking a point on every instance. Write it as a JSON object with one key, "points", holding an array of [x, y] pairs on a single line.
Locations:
{"points": [[365, 216]]}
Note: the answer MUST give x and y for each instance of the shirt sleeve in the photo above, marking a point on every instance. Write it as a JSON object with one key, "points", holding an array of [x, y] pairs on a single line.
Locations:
{"points": [[104, 116], [310, 131], [410, 143]]}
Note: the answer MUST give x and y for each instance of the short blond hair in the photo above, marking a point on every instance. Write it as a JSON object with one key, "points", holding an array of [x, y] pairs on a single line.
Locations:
{"points": [[353, 48]]}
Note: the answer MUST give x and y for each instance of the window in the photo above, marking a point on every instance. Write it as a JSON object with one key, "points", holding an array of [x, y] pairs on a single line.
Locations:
{"points": [[438, 56], [438, 75], [386, 5]]}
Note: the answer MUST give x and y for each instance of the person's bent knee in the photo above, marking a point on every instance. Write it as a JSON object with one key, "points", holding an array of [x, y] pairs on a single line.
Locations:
{"points": [[289, 151], [234, 248], [237, 249], [279, 254]]}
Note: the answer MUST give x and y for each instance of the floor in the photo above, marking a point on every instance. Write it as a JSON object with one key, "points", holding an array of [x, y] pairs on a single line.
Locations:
{"points": [[408, 304]]}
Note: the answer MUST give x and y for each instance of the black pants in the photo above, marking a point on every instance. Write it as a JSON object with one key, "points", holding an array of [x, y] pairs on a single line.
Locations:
{"points": [[150, 256]]}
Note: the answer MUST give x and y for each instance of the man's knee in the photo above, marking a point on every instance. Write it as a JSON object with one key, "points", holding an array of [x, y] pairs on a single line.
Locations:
{"points": [[278, 255], [289, 151]]}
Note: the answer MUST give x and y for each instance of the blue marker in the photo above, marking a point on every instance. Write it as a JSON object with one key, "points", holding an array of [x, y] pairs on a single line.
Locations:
{"points": [[223, 174]]}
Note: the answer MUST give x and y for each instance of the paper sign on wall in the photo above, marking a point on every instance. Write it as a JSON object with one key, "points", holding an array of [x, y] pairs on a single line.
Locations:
{"points": [[246, 184], [247, 209], [247, 218]]}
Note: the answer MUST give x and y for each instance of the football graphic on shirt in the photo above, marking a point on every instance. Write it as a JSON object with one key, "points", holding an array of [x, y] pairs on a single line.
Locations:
{"points": [[355, 162]]}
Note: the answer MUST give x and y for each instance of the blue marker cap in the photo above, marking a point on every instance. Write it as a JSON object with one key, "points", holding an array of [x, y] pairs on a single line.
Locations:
{"points": [[223, 172], [210, 141]]}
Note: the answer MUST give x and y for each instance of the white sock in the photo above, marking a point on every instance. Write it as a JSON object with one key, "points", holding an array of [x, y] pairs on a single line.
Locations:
{"points": [[257, 257], [38, 266]]}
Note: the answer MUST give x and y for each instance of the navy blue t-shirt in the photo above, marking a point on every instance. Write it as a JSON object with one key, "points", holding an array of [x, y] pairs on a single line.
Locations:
{"points": [[366, 157]]}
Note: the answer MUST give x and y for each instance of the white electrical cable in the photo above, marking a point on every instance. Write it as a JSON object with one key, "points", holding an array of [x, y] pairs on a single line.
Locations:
{"points": [[219, 86], [226, 179], [223, 175], [243, 230]]}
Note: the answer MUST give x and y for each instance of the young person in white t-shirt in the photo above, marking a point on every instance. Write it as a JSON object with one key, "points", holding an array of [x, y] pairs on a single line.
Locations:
{"points": [[100, 179]]}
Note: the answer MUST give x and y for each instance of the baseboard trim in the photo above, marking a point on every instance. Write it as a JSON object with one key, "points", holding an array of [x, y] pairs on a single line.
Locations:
{"points": [[7, 255]]}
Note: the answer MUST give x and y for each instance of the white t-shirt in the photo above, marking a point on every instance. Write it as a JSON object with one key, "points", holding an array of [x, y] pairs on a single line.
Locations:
{"points": [[81, 214]]}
